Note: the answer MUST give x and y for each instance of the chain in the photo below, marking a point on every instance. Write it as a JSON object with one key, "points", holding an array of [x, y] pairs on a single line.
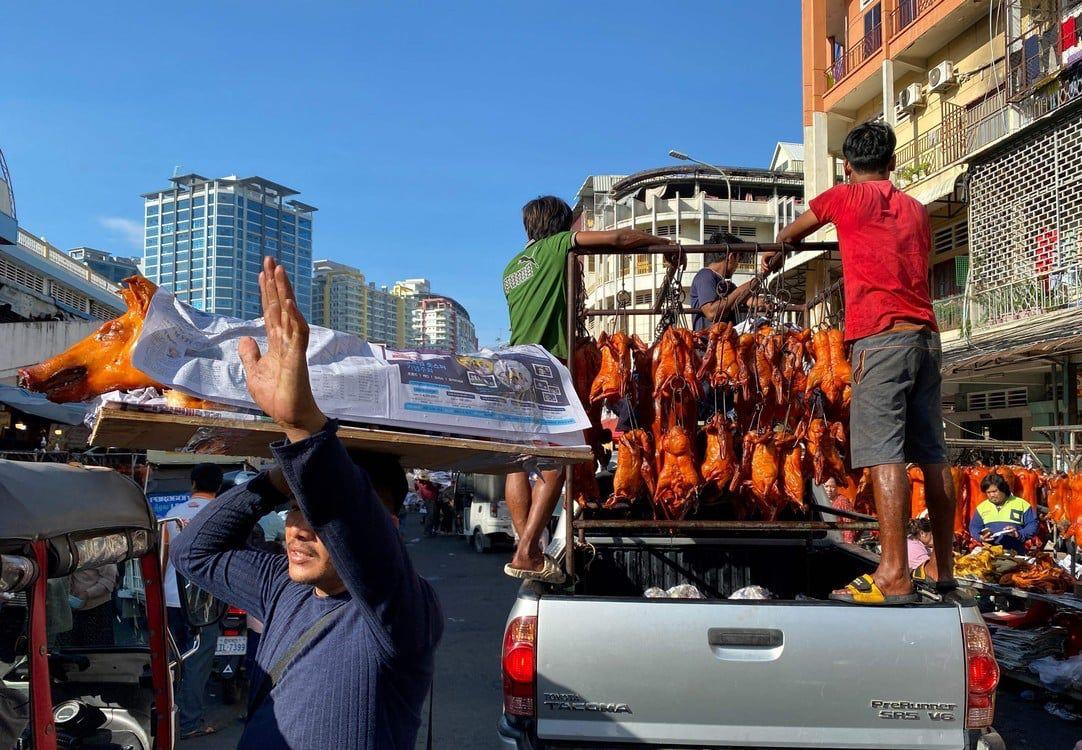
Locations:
{"points": [[581, 331], [672, 303]]}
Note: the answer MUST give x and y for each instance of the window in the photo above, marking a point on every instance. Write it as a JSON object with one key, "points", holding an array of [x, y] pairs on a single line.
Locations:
{"points": [[642, 264], [873, 29], [226, 211], [152, 210], [224, 198], [183, 203], [199, 213], [644, 298]]}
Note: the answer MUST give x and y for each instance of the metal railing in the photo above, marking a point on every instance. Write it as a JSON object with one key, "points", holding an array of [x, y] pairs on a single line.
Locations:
{"points": [[906, 12], [922, 157], [1025, 298], [949, 312], [855, 56]]}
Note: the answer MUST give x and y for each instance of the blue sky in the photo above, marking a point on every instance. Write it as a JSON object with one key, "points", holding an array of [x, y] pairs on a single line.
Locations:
{"points": [[418, 129]]}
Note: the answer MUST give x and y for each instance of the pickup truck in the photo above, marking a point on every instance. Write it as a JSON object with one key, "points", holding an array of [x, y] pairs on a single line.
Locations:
{"points": [[595, 664]]}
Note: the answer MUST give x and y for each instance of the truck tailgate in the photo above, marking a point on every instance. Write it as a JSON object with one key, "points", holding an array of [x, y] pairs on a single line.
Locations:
{"points": [[747, 674]]}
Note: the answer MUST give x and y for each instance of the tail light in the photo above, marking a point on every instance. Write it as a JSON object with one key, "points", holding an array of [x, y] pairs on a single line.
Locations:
{"points": [[493, 510], [520, 666], [982, 676]]}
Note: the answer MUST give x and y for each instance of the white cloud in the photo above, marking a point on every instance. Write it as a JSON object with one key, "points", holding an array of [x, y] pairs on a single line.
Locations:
{"points": [[128, 230]]}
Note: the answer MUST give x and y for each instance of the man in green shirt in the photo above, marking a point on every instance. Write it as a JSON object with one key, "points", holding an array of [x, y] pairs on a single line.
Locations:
{"points": [[535, 284]]}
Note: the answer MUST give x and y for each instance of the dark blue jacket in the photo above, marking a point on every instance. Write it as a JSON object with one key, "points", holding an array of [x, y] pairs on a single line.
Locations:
{"points": [[363, 683]]}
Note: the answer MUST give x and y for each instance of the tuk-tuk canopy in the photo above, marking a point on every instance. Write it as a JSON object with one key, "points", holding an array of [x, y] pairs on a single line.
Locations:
{"points": [[46, 500]]}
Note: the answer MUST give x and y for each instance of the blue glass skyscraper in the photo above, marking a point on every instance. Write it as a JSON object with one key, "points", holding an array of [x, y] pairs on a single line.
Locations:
{"points": [[205, 240]]}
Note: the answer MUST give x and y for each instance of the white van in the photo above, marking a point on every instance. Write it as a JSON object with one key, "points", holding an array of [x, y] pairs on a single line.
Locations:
{"points": [[485, 518]]}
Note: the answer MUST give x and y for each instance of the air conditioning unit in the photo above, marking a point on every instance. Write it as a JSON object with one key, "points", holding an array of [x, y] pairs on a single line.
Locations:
{"points": [[910, 98], [941, 76]]}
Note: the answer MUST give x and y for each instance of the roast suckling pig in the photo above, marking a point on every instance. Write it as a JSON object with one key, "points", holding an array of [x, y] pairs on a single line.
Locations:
{"points": [[102, 361]]}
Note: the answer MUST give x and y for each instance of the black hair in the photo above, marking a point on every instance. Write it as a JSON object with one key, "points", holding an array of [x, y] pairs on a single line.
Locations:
{"points": [[869, 147], [997, 481], [545, 216], [386, 474], [719, 238], [919, 526], [207, 478]]}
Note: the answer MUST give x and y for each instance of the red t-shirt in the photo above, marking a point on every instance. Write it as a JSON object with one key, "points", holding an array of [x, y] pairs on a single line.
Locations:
{"points": [[885, 240]]}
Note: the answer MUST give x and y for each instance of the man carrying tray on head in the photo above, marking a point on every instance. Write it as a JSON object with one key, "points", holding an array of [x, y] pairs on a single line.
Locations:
{"points": [[350, 629]]}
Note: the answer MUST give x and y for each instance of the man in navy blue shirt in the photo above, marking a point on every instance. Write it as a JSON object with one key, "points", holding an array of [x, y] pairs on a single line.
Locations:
{"points": [[361, 680]]}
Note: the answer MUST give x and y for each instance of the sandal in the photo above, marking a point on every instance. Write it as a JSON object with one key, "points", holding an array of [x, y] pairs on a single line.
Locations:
{"points": [[921, 579], [550, 572], [862, 590]]}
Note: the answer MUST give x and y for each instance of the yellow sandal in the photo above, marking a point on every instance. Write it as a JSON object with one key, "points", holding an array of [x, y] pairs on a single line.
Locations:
{"points": [[862, 590]]}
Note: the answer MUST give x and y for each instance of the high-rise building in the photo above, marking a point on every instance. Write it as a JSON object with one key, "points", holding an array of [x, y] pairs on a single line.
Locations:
{"points": [[343, 300], [206, 238], [441, 323], [112, 267]]}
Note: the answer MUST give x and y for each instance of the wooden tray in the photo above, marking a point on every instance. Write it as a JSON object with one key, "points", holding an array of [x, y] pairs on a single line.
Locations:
{"points": [[187, 430]]}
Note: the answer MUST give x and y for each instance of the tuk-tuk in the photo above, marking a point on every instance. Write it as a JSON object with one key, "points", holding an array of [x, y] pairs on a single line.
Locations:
{"points": [[74, 675]]}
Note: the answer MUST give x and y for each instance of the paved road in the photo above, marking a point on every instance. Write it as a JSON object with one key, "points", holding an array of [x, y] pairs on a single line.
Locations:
{"points": [[476, 595]]}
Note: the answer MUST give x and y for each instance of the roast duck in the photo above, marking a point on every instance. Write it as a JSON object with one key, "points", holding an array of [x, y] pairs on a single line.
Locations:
{"points": [[102, 361], [780, 395]]}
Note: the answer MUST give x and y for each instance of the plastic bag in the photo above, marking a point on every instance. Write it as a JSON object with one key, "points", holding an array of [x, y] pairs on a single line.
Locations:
{"points": [[685, 591], [656, 593], [752, 592], [1059, 674]]}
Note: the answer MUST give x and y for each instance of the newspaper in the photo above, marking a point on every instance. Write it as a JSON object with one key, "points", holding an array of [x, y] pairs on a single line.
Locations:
{"points": [[521, 393]]}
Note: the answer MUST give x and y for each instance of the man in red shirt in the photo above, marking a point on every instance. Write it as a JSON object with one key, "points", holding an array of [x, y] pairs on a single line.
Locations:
{"points": [[895, 418]]}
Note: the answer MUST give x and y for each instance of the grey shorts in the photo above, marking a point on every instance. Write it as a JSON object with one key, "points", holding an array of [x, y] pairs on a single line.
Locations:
{"points": [[896, 413]]}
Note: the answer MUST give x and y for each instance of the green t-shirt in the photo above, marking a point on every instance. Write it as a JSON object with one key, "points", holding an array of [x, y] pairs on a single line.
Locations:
{"points": [[535, 284]]}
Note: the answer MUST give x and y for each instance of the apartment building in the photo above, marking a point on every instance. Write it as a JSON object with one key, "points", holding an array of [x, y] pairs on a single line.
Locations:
{"points": [[687, 204], [442, 323], [344, 300], [985, 100]]}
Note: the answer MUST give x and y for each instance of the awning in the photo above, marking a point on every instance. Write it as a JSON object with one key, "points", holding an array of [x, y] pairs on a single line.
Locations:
{"points": [[930, 190], [39, 406], [1054, 335]]}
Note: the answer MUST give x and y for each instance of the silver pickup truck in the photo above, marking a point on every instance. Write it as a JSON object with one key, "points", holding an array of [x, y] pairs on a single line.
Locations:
{"points": [[598, 665]]}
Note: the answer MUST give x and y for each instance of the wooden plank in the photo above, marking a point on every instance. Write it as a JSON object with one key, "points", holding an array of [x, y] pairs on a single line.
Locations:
{"points": [[121, 426]]}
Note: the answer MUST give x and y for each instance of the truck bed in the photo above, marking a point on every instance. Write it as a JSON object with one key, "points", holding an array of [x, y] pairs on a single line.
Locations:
{"points": [[788, 568], [617, 669]]}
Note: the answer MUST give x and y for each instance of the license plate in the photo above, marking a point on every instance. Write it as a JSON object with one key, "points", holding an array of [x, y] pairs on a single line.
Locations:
{"points": [[231, 645]]}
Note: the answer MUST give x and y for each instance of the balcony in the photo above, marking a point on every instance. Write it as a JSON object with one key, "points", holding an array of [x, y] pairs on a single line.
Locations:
{"points": [[906, 12], [855, 56], [949, 312]]}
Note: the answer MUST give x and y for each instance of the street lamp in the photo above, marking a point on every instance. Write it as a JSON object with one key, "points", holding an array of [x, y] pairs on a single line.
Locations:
{"points": [[728, 186]]}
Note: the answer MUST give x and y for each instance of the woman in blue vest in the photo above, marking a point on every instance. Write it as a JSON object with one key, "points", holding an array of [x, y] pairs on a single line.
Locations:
{"points": [[1002, 518]]}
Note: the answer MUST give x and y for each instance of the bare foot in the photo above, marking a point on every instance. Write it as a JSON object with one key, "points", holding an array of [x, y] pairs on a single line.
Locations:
{"points": [[521, 561]]}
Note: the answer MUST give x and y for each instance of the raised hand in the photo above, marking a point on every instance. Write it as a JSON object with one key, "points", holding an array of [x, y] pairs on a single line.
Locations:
{"points": [[278, 378]]}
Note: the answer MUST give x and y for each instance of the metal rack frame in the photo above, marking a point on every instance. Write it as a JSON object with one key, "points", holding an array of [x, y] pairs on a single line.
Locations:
{"points": [[581, 525]]}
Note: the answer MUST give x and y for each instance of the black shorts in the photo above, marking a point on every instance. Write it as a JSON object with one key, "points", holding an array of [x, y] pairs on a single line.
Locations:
{"points": [[896, 414]]}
